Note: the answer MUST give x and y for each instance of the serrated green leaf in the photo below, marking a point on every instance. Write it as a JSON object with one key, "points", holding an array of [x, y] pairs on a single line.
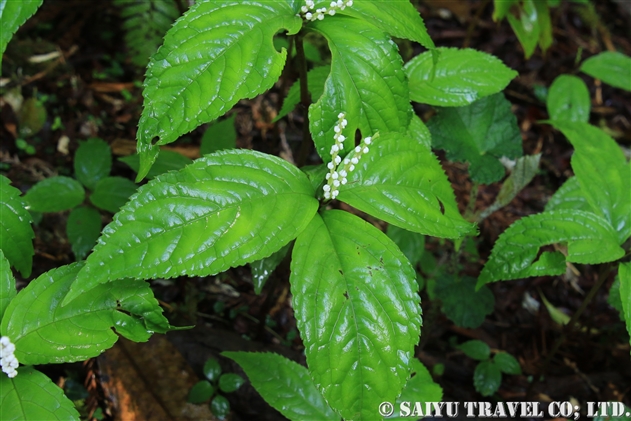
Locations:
{"points": [[624, 274], [112, 192], [7, 284], [83, 229], [212, 369], [224, 210], [461, 303], [611, 67], [262, 269], [420, 388], [55, 194], [315, 84], [412, 244], [200, 392], [603, 174], [205, 66], [480, 134], [45, 332], [568, 99], [475, 349], [33, 396], [527, 27], [366, 82], [501, 8], [220, 407], [16, 233], [402, 182], [92, 162], [507, 363], [590, 240], [460, 77], [419, 132], [569, 196], [398, 19], [218, 136], [12, 15], [165, 162], [357, 308], [523, 172], [230, 382], [284, 384], [487, 378]]}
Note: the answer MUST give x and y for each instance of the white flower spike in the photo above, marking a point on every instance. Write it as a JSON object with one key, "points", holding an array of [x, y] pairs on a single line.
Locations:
{"points": [[8, 362], [311, 14]]}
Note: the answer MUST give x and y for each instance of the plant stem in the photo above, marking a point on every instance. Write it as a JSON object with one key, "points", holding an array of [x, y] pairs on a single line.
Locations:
{"points": [[602, 277], [305, 101]]}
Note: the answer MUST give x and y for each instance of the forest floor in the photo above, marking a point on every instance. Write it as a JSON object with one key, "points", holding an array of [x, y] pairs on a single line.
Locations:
{"points": [[91, 89]]}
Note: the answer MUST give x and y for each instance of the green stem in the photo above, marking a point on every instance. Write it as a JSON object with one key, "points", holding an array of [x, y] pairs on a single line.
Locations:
{"points": [[305, 101]]}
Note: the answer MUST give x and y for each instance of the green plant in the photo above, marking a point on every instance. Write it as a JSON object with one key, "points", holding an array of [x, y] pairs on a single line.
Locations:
{"points": [[204, 390]]}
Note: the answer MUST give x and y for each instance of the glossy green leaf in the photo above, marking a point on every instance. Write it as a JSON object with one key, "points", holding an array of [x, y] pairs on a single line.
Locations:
{"points": [[145, 23], [569, 196], [614, 298], [590, 240], [487, 378], [262, 269], [216, 54], [16, 233], [568, 99], [220, 407], [402, 182], [419, 388], [480, 134], [501, 8], [419, 132], [507, 363], [316, 174], [357, 309], [460, 77], [12, 15], [166, 161], [31, 395], [315, 85], [31, 117], [624, 275], [212, 369], [55, 194], [284, 384], [7, 284], [92, 162], [522, 174], [527, 27], [367, 83], [611, 67], [112, 192], [83, 229], [461, 303], [45, 332], [475, 349], [230, 382], [224, 210], [545, 25], [200, 392], [398, 19], [412, 244], [219, 136], [603, 174]]}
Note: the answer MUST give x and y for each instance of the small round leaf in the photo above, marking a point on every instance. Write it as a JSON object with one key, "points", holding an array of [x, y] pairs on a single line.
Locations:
{"points": [[220, 407], [507, 363], [212, 369], [475, 349], [230, 382], [487, 378], [201, 392]]}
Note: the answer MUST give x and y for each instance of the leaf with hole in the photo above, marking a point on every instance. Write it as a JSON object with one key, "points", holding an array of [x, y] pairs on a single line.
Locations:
{"points": [[357, 308], [92, 162], [31, 395], [16, 233], [83, 229], [112, 192], [480, 134], [402, 182], [224, 210], [460, 77], [366, 82], [217, 53], [590, 239], [55, 194]]}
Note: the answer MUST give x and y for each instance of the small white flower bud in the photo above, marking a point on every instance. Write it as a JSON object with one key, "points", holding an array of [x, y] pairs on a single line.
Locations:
{"points": [[354, 161], [337, 160], [330, 165], [358, 149], [340, 3], [336, 183], [349, 3], [341, 138], [304, 9], [368, 140], [346, 161], [366, 149], [334, 176], [340, 115], [308, 15], [320, 16], [332, 12], [337, 129], [328, 175], [351, 168], [344, 181], [343, 123], [327, 195], [335, 193], [326, 188], [334, 148]]}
